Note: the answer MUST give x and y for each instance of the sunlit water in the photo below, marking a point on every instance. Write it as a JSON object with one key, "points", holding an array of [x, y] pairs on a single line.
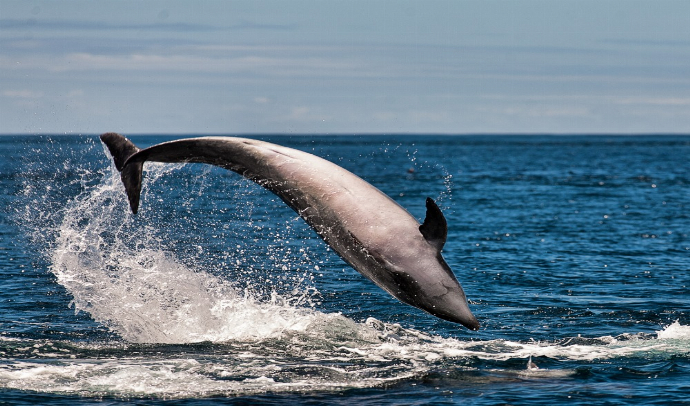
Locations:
{"points": [[573, 251]]}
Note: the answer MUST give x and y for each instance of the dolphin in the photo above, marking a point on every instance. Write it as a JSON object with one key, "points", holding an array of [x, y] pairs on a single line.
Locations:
{"points": [[369, 230]]}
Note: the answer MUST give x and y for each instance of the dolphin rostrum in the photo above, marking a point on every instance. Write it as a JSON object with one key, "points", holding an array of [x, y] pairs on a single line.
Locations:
{"points": [[369, 230]]}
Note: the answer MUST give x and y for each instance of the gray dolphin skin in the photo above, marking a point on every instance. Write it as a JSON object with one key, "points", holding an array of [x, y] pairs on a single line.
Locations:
{"points": [[369, 230]]}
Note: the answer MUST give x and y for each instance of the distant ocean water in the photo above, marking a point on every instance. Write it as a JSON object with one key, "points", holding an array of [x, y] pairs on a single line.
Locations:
{"points": [[573, 251]]}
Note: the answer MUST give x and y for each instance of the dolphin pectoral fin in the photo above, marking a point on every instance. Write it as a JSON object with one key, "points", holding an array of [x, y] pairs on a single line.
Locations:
{"points": [[130, 172], [435, 228]]}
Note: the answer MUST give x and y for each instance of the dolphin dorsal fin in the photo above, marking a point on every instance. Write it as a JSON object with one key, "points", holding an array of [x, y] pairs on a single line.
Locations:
{"points": [[435, 228]]}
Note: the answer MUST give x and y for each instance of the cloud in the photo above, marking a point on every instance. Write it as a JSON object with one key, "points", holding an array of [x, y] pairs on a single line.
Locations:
{"points": [[74, 93], [536, 112], [83, 25], [189, 64], [655, 101], [22, 94], [305, 114], [176, 27]]}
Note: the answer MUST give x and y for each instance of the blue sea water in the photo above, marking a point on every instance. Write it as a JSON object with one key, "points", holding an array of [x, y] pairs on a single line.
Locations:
{"points": [[573, 251]]}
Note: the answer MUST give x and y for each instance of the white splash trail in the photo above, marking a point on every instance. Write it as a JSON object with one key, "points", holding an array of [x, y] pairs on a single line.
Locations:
{"points": [[382, 353], [129, 282]]}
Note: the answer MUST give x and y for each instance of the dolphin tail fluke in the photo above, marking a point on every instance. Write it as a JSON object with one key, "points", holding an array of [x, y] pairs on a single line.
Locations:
{"points": [[130, 172], [120, 148]]}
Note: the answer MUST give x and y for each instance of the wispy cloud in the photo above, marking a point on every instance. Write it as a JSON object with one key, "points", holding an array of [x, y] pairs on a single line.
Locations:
{"points": [[654, 101], [177, 27], [22, 94], [82, 25], [257, 65]]}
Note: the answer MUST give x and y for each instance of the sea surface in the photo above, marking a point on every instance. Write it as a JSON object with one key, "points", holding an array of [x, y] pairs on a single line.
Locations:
{"points": [[573, 251]]}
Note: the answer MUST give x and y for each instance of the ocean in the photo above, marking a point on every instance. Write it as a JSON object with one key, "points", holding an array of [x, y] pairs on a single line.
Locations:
{"points": [[573, 252]]}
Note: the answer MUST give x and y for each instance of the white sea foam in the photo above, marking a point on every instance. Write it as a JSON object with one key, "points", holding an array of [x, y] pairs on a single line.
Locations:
{"points": [[674, 331], [366, 354]]}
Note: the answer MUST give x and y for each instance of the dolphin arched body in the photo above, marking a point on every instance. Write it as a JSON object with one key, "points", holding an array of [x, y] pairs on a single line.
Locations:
{"points": [[369, 230]]}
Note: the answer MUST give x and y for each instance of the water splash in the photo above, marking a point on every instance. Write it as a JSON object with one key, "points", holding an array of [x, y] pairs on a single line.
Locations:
{"points": [[119, 270], [674, 331]]}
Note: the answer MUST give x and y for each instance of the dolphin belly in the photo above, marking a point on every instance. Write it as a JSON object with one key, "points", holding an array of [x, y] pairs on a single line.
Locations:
{"points": [[369, 230]]}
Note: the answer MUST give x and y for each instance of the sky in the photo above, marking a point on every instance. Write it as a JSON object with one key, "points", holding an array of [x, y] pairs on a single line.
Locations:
{"points": [[345, 67]]}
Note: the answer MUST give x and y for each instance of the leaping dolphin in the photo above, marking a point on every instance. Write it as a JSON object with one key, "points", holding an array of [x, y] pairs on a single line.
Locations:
{"points": [[369, 230]]}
